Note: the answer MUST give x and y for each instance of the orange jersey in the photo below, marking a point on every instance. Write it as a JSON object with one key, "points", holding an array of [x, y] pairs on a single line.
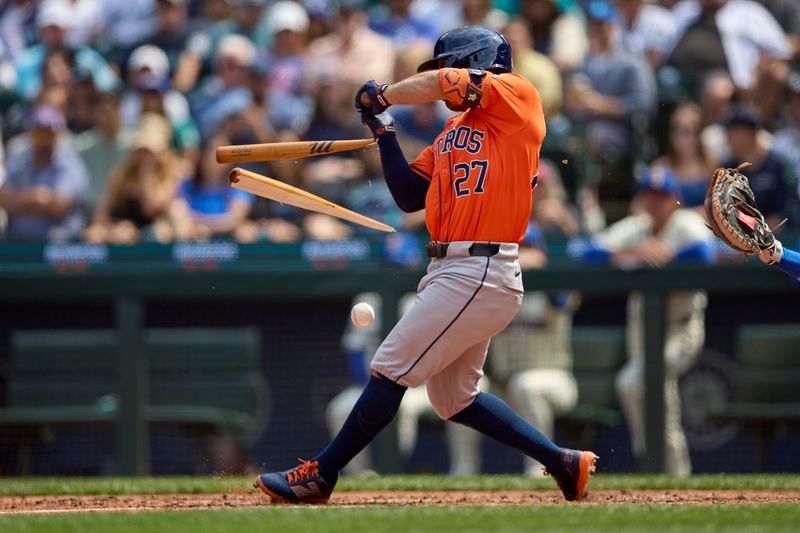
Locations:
{"points": [[482, 165]]}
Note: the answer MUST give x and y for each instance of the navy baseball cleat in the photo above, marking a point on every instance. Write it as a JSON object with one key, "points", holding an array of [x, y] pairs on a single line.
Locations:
{"points": [[301, 484], [576, 469]]}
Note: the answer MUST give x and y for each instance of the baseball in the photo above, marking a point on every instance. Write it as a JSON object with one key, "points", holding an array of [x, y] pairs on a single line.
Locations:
{"points": [[362, 314]]}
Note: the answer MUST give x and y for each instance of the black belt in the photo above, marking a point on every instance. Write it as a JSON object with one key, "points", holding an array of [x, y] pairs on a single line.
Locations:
{"points": [[480, 249]]}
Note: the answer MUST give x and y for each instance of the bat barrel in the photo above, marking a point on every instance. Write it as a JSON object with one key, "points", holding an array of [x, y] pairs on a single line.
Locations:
{"points": [[247, 153]]}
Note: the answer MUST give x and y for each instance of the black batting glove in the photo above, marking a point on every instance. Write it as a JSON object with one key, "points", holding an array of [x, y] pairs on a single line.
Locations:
{"points": [[374, 94], [380, 125]]}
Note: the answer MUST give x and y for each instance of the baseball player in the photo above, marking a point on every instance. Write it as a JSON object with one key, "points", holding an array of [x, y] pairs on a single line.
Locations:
{"points": [[661, 232], [475, 183]]}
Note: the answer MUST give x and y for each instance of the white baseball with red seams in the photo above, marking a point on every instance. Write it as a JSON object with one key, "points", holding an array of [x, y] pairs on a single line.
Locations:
{"points": [[362, 314]]}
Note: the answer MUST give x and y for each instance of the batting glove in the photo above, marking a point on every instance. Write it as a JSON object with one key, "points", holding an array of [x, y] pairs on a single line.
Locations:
{"points": [[374, 93], [382, 124]]}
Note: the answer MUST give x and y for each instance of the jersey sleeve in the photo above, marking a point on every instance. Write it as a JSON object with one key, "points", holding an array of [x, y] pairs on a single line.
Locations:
{"points": [[424, 163]]}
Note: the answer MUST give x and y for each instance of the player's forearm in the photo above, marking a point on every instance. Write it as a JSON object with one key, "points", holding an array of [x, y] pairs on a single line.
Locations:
{"points": [[11, 202], [408, 189], [418, 89]]}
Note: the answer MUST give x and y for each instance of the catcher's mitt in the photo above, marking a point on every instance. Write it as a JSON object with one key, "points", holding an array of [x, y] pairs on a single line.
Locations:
{"points": [[733, 216]]}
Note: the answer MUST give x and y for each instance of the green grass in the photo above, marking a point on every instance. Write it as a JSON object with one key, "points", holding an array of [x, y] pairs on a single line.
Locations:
{"points": [[200, 485], [571, 518]]}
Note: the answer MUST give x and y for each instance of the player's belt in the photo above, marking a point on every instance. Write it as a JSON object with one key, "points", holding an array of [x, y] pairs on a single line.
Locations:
{"points": [[481, 249]]}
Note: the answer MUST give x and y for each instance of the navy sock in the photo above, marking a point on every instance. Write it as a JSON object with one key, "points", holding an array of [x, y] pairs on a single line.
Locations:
{"points": [[494, 418], [374, 409]]}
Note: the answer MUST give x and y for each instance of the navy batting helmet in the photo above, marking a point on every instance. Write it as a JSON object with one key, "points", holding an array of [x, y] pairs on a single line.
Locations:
{"points": [[470, 47]]}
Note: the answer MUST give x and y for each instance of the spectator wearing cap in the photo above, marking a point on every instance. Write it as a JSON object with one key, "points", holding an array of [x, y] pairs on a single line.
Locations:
{"points": [[46, 184], [648, 30], [228, 86], [53, 23], [287, 67], [173, 29], [613, 94], [558, 28], [661, 232], [148, 68], [685, 156], [247, 19], [730, 35], [352, 50], [141, 190], [86, 19], [772, 179], [396, 21], [150, 92]]}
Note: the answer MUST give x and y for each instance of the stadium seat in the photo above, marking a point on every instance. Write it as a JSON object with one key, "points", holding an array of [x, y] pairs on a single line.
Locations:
{"points": [[766, 389], [204, 379], [598, 353]]}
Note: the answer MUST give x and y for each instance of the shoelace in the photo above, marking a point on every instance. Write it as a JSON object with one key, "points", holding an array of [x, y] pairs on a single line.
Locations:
{"points": [[303, 471]]}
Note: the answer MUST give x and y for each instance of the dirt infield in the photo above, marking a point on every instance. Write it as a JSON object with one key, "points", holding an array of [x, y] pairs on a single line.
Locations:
{"points": [[242, 499]]}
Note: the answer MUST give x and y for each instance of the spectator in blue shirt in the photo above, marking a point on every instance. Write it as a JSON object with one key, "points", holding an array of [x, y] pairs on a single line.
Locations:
{"points": [[53, 23], [214, 207], [46, 184]]}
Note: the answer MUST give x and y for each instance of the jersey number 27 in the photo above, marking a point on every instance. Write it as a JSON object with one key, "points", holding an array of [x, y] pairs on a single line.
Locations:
{"points": [[463, 173]]}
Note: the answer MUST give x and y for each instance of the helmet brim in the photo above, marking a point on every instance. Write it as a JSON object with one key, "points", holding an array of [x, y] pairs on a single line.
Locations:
{"points": [[431, 64]]}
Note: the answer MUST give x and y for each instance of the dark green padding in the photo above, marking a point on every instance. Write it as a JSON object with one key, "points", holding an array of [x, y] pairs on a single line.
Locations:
{"points": [[769, 346], [598, 347], [197, 375], [769, 385], [598, 354], [769, 364], [63, 352]]}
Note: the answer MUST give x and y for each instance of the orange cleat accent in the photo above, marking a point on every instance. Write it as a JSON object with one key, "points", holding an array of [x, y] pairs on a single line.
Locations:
{"points": [[301, 484], [577, 468]]}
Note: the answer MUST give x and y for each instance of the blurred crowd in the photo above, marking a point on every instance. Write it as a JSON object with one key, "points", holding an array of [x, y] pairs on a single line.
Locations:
{"points": [[111, 110]]}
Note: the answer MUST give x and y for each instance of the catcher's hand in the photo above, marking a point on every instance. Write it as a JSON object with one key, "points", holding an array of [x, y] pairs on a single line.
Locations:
{"points": [[734, 217]]}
